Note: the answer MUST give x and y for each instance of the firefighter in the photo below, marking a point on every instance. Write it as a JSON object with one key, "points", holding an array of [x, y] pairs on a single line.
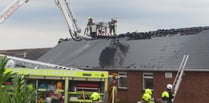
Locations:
{"points": [[92, 27], [113, 88], [167, 95], [149, 91], [95, 97], [147, 96], [112, 25], [90, 21]]}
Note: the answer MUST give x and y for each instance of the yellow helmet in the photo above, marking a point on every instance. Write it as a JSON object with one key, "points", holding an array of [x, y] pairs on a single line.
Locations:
{"points": [[165, 94], [146, 97], [149, 91], [95, 96]]}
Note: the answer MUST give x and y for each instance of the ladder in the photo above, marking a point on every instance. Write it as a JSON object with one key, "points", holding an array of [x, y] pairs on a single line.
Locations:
{"points": [[179, 75], [26, 63]]}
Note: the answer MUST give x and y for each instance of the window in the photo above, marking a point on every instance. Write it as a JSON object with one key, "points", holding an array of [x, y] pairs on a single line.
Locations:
{"points": [[122, 81], [148, 80]]}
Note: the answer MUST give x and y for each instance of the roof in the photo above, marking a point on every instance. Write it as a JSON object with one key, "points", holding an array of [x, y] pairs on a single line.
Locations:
{"points": [[155, 54], [32, 53]]}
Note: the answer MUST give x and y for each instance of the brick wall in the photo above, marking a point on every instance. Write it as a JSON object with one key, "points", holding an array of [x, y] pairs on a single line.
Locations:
{"points": [[194, 87], [135, 88], [160, 82]]}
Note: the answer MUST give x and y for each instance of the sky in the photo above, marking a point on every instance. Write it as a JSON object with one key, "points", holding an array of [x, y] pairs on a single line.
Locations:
{"points": [[40, 23]]}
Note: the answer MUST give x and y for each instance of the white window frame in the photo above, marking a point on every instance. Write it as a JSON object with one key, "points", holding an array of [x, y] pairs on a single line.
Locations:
{"points": [[122, 75], [147, 76]]}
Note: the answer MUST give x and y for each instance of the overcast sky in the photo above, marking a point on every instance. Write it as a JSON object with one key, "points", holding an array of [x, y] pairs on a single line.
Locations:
{"points": [[39, 23]]}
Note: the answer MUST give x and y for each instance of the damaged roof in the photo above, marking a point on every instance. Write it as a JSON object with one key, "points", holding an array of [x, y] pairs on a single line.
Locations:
{"points": [[158, 53]]}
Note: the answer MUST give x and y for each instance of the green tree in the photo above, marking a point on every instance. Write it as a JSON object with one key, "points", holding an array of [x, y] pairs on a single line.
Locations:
{"points": [[19, 91], [4, 94], [22, 93]]}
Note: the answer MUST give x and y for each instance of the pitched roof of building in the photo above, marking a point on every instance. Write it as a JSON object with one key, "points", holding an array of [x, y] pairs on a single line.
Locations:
{"points": [[32, 53], [157, 53]]}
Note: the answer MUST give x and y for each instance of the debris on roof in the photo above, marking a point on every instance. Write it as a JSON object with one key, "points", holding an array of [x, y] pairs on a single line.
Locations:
{"points": [[163, 33], [156, 53]]}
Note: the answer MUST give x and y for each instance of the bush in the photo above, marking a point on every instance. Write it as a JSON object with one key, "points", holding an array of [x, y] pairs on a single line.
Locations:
{"points": [[19, 91]]}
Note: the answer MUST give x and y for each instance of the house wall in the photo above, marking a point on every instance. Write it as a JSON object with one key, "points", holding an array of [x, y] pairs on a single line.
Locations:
{"points": [[135, 88], [194, 87], [160, 82]]}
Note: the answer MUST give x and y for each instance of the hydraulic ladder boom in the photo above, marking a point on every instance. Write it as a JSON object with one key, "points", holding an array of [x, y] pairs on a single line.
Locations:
{"points": [[64, 6], [11, 9], [70, 18]]}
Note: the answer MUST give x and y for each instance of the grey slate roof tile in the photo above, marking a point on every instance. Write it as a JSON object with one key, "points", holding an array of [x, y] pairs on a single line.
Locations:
{"points": [[159, 53]]}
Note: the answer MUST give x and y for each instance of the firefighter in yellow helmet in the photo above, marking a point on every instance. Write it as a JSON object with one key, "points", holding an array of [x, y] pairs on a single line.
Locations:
{"points": [[165, 95], [95, 97], [149, 91], [147, 96]]}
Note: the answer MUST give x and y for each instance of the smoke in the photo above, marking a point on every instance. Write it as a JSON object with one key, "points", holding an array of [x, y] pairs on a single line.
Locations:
{"points": [[113, 55]]}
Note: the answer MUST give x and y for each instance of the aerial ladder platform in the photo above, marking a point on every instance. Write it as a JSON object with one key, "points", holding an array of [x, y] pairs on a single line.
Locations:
{"points": [[94, 30]]}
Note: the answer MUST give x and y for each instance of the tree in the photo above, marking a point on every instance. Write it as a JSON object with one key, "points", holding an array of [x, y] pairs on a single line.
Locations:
{"points": [[19, 91], [4, 90]]}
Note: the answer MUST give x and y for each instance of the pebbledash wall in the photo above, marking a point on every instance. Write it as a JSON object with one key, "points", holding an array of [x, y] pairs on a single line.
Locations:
{"points": [[194, 87]]}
